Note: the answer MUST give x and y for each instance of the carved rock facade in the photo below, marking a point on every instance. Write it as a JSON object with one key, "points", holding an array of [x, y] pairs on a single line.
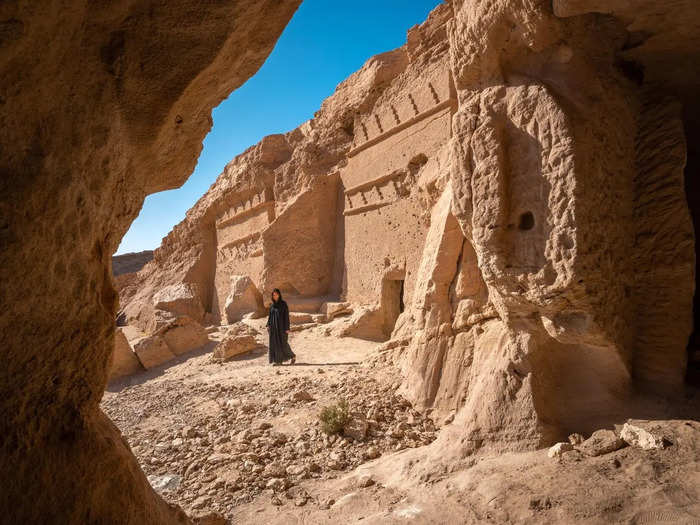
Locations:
{"points": [[503, 197], [512, 179]]}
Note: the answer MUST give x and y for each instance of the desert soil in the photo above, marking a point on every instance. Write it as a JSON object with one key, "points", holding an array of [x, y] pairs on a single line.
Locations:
{"points": [[242, 438]]}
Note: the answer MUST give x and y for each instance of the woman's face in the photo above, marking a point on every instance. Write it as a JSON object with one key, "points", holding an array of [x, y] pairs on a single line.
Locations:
{"points": [[275, 296]]}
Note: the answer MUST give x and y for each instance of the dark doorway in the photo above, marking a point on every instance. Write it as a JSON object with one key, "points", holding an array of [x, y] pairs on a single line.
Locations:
{"points": [[392, 303]]}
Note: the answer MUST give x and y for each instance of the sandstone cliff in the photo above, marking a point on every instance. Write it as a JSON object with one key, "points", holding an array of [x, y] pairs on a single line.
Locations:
{"points": [[501, 197]]}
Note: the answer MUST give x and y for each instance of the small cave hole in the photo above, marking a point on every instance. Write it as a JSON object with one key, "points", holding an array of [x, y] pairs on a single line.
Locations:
{"points": [[527, 221]]}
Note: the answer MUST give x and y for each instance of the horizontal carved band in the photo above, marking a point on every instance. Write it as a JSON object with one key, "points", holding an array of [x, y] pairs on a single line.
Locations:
{"points": [[222, 223], [368, 207], [407, 124]]}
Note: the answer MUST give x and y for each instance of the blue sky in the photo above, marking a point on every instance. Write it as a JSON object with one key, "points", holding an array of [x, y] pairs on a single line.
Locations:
{"points": [[323, 44]]}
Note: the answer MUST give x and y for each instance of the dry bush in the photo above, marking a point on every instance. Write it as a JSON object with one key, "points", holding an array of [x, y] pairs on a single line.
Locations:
{"points": [[335, 417]]}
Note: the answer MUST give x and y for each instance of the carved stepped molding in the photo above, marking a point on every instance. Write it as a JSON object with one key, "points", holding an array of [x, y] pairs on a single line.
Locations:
{"points": [[400, 127], [247, 246], [242, 209], [375, 193], [235, 219]]}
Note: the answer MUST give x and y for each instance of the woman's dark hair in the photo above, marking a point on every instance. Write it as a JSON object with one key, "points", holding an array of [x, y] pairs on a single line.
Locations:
{"points": [[279, 295]]}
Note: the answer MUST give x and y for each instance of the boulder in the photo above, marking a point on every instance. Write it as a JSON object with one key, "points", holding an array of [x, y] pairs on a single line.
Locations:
{"points": [[179, 299], [183, 334], [366, 322], [300, 317], [637, 436], [333, 309], [234, 344], [124, 360], [243, 299], [559, 449], [152, 351], [601, 442]]}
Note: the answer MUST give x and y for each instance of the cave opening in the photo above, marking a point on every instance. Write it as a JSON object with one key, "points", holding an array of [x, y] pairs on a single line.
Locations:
{"points": [[392, 303]]}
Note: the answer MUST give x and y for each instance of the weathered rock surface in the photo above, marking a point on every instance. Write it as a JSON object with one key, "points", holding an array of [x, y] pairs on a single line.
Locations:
{"points": [[239, 339], [124, 360], [101, 104], [504, 196], [152, 351], [130, 262], [243, 299], [457, 193], [559, 449], [601, 442], [183, 334], [636, 436]]}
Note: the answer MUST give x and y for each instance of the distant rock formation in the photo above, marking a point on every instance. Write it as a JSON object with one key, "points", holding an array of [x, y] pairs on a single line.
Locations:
{"points": [[130, 262]]}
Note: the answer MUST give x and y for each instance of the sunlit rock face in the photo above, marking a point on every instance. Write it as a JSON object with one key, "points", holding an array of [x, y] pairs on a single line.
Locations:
{"points": [[101, 103], [502, 197]]}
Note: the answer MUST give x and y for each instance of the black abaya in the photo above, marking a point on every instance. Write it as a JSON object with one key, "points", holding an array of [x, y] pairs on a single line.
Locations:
{"points": [[277, 326]]}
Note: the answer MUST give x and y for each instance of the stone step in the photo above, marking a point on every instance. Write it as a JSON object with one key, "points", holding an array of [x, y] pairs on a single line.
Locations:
{"points": [[304, 304]]}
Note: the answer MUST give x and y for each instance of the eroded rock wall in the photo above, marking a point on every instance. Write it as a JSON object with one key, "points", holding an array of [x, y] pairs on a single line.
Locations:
{"points": [[100, 104], [550, 159], [503, 196]]}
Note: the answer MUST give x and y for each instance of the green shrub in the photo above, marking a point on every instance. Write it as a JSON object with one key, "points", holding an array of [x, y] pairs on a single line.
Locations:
{"points": [[335, 417]]}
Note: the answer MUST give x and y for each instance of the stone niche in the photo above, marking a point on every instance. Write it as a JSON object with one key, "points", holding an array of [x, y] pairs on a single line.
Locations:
{"points": [[392, 168]]}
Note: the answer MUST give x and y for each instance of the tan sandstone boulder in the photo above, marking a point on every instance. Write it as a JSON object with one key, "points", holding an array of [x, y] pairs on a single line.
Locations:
{"points": [[152, 351], [243, 299], [124, 360], [183, 334], [179, 298], [239, 339]]}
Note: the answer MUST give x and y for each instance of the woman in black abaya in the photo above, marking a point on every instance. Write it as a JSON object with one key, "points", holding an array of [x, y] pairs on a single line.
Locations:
{"points": [[278, 328]]}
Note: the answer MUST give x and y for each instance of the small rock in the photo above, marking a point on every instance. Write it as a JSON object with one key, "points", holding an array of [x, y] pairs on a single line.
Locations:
{"points": [[276, 484], [165, 483], [601, 442], [189, 432], [639, 437], [302, 395], [356, 429], [576, 439], [365, 481], [296, 470], [327, 503], [559, 449], [201, 502], [218, 457], [274, 470], [372, 453]]}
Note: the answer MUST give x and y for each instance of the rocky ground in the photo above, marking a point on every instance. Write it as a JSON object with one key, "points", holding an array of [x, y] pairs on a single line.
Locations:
{"points": [[218, 435], [243, 439]]}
